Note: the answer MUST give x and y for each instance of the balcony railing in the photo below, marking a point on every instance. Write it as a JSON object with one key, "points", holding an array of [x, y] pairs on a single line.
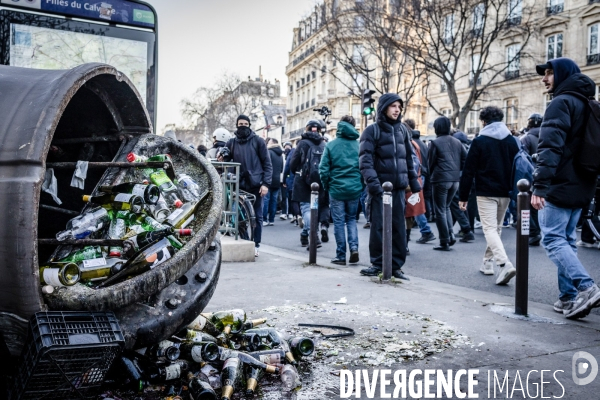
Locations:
{"points": [[593, 58], [513, 21], [555, 9], [472, 81], [511, 75]]}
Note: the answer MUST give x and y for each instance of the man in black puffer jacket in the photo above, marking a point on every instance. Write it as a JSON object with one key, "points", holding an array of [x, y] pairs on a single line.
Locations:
{"points": [[560, 191], [532, 137], [388, 159], [446, 159]]}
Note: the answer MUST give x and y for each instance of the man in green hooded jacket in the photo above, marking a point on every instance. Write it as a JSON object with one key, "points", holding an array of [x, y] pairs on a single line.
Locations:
{"points": [[341, 177]]}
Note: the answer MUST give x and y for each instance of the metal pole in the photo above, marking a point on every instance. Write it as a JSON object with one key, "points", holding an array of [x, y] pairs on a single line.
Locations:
{"points": [[314, 223], [523, 211], [387, 231]]}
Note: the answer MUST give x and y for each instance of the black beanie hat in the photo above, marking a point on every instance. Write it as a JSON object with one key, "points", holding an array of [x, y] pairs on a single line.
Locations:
{"points": [[244, 118]]}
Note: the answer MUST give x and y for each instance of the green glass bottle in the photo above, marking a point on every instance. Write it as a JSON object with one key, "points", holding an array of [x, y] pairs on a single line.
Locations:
{"points": [[199, 387], [301, 346], [101, 272], [166, 187], [180, 216], [202, 324], [116, 230], [231, 321], [253, 376], [66, 274], [272, 357], [121, 201], [87, 253], [231, 377], [199, 352]]}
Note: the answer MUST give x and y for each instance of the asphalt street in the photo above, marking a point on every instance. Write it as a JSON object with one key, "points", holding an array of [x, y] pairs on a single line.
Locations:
{"points": [[459, 267]]}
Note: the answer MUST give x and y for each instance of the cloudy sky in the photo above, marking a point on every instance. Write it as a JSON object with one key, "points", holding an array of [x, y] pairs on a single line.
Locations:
{"points": [[201, 39]]}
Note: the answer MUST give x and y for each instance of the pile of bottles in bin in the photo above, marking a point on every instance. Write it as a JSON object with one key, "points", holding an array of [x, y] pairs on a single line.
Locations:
{"points": [[150, 216], [219, 351]]}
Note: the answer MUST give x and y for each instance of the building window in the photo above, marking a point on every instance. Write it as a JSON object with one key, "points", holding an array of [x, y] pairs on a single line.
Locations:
{"points": [[449, 28], [447, 112], [473, 123], [596, 95], [593, 56], [513, 60], [515, 12], [291, 88], [555, 7], [475, 60], [554, 46], [478, 20], [359, 23], [357, 54], [511, 113], [548, 99]]}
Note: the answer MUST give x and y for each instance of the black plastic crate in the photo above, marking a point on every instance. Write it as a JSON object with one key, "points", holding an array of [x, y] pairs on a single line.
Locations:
{"points": [[67, 355]]}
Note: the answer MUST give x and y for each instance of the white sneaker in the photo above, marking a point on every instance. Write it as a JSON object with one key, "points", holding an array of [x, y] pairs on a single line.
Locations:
{"points": [[487, 268], [581, 243], [256, 252], [283, 217], [265, 223], [506, 273], [477, 225]]}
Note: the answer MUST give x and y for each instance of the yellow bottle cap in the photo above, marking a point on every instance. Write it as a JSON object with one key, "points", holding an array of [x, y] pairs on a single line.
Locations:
{"points": [[86, 198]]}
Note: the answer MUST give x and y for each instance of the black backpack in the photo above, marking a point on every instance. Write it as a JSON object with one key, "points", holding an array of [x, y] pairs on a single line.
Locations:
{"points": [[312, 159], [586, 146]]}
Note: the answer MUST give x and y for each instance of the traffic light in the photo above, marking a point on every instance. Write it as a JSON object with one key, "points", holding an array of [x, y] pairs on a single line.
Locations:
{"points": [[368, 101]]}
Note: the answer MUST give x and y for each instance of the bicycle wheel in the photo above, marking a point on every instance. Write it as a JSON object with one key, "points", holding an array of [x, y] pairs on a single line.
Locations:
{"points": [[245, 228]]}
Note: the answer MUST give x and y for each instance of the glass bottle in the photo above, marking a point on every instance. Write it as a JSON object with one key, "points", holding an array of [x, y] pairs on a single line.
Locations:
{"points": [[149, 193], [178, 217], [199, 387], [231, 376], [100, 272], [66, 274], [165, 350], [166, 187], [272, 357], [160, 211], [254, 323], [204, 325], [301, 346], [200, 352], [116, 230], [121, 201], [188, 189], [144, 239], [84, 225], [253, 376], [230, 321], [87, 253]]}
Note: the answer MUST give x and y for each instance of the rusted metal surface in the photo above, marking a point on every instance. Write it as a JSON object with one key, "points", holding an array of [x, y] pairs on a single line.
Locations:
{"points": [[32, 103]]}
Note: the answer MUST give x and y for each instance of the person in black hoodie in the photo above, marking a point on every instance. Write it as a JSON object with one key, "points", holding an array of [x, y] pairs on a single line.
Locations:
{"points": [[387, 159], [446, 159], [255, 170], [301, 191], [270, 207], [560, 191]]}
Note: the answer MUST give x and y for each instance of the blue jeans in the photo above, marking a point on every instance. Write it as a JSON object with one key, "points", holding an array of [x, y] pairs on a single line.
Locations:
{"points": [[305, 211], [558, 227], [344, 218], [270, 205], [422, 219]]}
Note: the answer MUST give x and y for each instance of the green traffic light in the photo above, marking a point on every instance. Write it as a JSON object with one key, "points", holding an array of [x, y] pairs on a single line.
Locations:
{"points": [[368, 110]]}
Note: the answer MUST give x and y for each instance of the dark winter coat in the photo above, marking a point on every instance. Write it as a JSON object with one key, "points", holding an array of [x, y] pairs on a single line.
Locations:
{"points": [[339, 171], [301, 190], [530, 141], [212, 153], [288, 177], [489, 161], [251, 152], [390, 158], [555, 177], [275, 153], [446, 156], [416, 135]]}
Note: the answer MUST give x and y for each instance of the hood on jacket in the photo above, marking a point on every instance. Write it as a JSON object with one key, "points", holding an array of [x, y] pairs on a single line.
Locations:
{"points": [[462, 137], [346, 131], [579, 83], [416, 134], [496, 130], [276, 148], [442, 126], [563, 68], [314, 137], [384, 102]]}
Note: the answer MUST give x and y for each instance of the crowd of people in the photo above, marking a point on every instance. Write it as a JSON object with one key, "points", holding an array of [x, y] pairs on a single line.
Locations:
{"points": [[451, 180]]}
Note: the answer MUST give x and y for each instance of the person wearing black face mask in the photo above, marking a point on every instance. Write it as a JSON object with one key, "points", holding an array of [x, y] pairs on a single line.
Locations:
{"points": [[256, 169]]}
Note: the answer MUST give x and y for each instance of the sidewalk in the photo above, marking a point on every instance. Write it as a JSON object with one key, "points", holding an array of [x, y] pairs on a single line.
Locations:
{"points": [[496, 340]]}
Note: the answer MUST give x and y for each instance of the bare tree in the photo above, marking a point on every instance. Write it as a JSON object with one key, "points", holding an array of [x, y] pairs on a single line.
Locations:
{"points": [[444, 34], [219, 105], [358, 38]]}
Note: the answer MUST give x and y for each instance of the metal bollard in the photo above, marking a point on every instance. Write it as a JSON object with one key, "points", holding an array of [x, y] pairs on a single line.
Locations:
{"points": [[387, 231], [524, 216], [314, 223]]}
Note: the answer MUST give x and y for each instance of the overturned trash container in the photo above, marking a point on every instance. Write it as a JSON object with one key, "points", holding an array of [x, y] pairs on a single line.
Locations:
{"points": [[51, 120]]}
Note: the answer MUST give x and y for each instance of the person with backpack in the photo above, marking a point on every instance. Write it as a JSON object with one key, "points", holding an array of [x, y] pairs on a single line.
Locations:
{"points": [[270, 207], [256, 170], [385, 156], [305, 164], [490, 163], [446, 159], [341, 178], [465, 219], [562, 181]]}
